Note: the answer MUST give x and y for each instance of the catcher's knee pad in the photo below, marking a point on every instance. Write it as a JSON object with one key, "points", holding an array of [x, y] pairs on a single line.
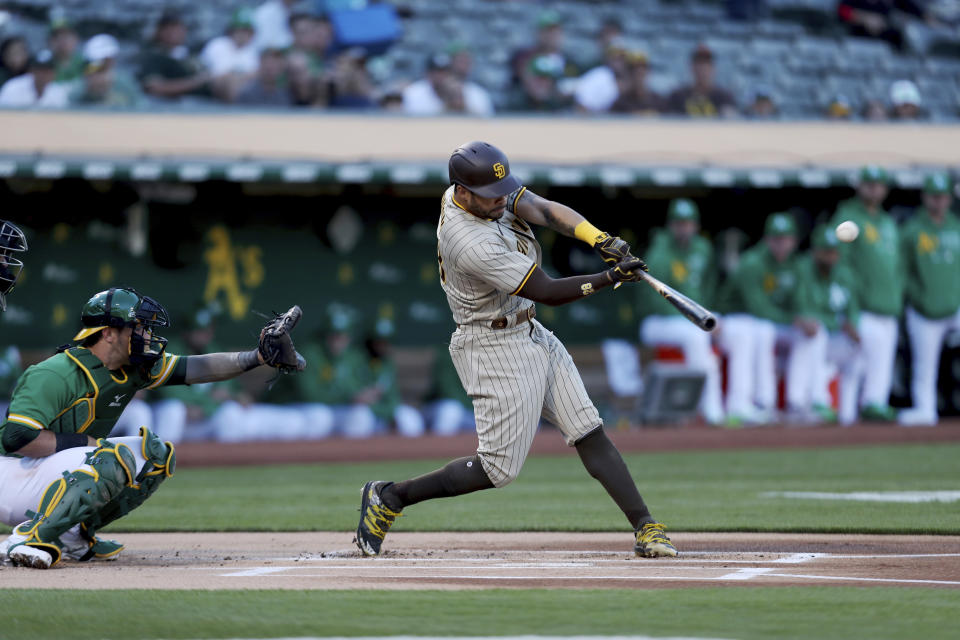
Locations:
{"points": [[77, 495], [161, 461]]}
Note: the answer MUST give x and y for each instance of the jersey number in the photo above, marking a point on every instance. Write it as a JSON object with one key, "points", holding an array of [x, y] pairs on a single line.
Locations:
{"points": [[443, 274]]}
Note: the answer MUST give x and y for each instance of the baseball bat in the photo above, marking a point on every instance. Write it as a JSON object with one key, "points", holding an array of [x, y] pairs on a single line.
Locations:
{"points": [[693, 311]]}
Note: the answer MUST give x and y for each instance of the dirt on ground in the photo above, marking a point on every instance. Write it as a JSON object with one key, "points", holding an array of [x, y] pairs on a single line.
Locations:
{"points": [[486, 560]]}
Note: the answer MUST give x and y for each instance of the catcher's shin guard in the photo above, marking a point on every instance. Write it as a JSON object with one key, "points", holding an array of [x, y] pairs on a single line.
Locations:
{"points": [[161, 462], [75, 497]]}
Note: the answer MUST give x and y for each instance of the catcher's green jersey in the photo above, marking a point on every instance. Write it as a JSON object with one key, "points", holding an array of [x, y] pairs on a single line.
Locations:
{"points": [[72, 392], [762, 287], [832, 299], [875, 257], [689, 270], [931, 256]]}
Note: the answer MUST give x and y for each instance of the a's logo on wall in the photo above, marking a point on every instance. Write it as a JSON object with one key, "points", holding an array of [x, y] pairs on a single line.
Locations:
{"points": [[231, 269], [499, 170]]}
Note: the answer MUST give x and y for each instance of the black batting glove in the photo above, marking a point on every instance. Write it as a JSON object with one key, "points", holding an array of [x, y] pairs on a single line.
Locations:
{"points": [[627, 270], [611, 248]]}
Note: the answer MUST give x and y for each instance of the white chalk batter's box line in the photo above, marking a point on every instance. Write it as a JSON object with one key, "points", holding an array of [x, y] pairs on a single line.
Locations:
{"points": [[388, 569]]}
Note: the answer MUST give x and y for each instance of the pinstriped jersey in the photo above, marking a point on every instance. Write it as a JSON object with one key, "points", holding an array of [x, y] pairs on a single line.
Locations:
{"points": [[484, 263]]}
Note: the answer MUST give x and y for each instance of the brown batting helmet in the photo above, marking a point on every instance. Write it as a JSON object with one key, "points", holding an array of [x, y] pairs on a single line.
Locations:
{"points": [[482, 169]]}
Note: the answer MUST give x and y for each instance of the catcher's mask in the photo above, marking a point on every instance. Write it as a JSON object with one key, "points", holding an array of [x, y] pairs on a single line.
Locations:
{"points": [[12, 241], [125, 307], [481, 168]]}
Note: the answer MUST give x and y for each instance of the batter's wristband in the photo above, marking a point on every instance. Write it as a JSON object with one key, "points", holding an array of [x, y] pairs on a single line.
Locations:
{"points": [[70, 440], [586, 232]]}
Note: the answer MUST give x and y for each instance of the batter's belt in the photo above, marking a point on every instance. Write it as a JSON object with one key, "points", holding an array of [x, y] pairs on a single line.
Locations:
{"points": [[515, 319]]}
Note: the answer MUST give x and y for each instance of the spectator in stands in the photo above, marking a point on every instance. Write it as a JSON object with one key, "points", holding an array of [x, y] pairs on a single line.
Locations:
{"points": [[101, 84], [875, 19], [758, 302], [875, 111], [828, 310], [64, 43], [549, 43], [382, 388], [875, 258], [232, 58], [905, 98], [165, 69], [307, 59], [762, 106], [683, 259], [36, 88], [269, 88], [839, 108], [461, 60], [702, 99], [539, 88], [635, 96], [14, 58], [599, 88], [930, 245], [271, 23], [442, 91], [349, 83], [334, 389]]}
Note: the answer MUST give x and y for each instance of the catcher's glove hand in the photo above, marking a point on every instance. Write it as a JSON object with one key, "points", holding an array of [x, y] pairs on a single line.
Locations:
{"points": [[613, 249], [627, 270], [275, 346]]}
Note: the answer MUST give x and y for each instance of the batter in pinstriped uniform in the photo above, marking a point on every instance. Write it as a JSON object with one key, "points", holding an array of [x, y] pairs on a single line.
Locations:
{"points": [[514, 368]]}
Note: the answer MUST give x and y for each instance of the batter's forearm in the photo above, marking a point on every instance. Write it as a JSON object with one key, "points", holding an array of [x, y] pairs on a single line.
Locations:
{"points": [[557, 291], [213, 367]]}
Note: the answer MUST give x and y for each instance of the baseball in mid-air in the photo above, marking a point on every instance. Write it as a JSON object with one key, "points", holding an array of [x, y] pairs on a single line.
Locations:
{"points": [[847, 231]]}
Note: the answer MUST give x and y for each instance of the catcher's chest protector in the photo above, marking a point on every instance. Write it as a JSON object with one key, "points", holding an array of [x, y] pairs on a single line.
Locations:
{"points": [[100, 400]]}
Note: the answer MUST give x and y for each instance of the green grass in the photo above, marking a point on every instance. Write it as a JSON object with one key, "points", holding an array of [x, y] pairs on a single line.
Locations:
{"points": [[690, 491], [823, 613]]}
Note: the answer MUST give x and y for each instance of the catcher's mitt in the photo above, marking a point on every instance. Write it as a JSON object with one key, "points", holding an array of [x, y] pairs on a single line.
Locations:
{"points": [[275, 346]]}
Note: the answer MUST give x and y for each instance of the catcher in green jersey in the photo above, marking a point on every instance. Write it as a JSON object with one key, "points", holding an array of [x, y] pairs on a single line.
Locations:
{"points": [[61, 480]]}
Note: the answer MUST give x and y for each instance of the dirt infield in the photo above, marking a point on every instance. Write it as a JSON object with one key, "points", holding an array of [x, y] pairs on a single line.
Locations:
{"points": [[498, 560], [549, 442]]}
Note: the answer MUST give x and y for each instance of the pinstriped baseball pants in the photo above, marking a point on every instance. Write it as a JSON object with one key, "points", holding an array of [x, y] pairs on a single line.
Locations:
{"points": [[514, 377]]}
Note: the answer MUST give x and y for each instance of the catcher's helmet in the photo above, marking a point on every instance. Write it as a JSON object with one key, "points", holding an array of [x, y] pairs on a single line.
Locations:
{"points": [[12, 241], [124, 307], [482, 169]]}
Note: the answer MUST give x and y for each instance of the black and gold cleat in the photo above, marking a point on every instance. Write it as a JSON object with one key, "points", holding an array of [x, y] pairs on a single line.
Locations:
{"points": [[375, 519], [652, 542]]}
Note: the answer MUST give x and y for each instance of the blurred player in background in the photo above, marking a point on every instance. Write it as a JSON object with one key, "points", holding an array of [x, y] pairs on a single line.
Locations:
{"points": [[336, 394], [930, 245], [449, 410], [827, 296], [381, 380], [875, 259], [758, 302], [683, 259]]}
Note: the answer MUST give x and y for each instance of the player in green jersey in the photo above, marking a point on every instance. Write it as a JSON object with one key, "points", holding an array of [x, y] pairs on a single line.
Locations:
{"points": [[827, 299], [930, 245], [60, 478], [875, 259], [683, 259]]}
